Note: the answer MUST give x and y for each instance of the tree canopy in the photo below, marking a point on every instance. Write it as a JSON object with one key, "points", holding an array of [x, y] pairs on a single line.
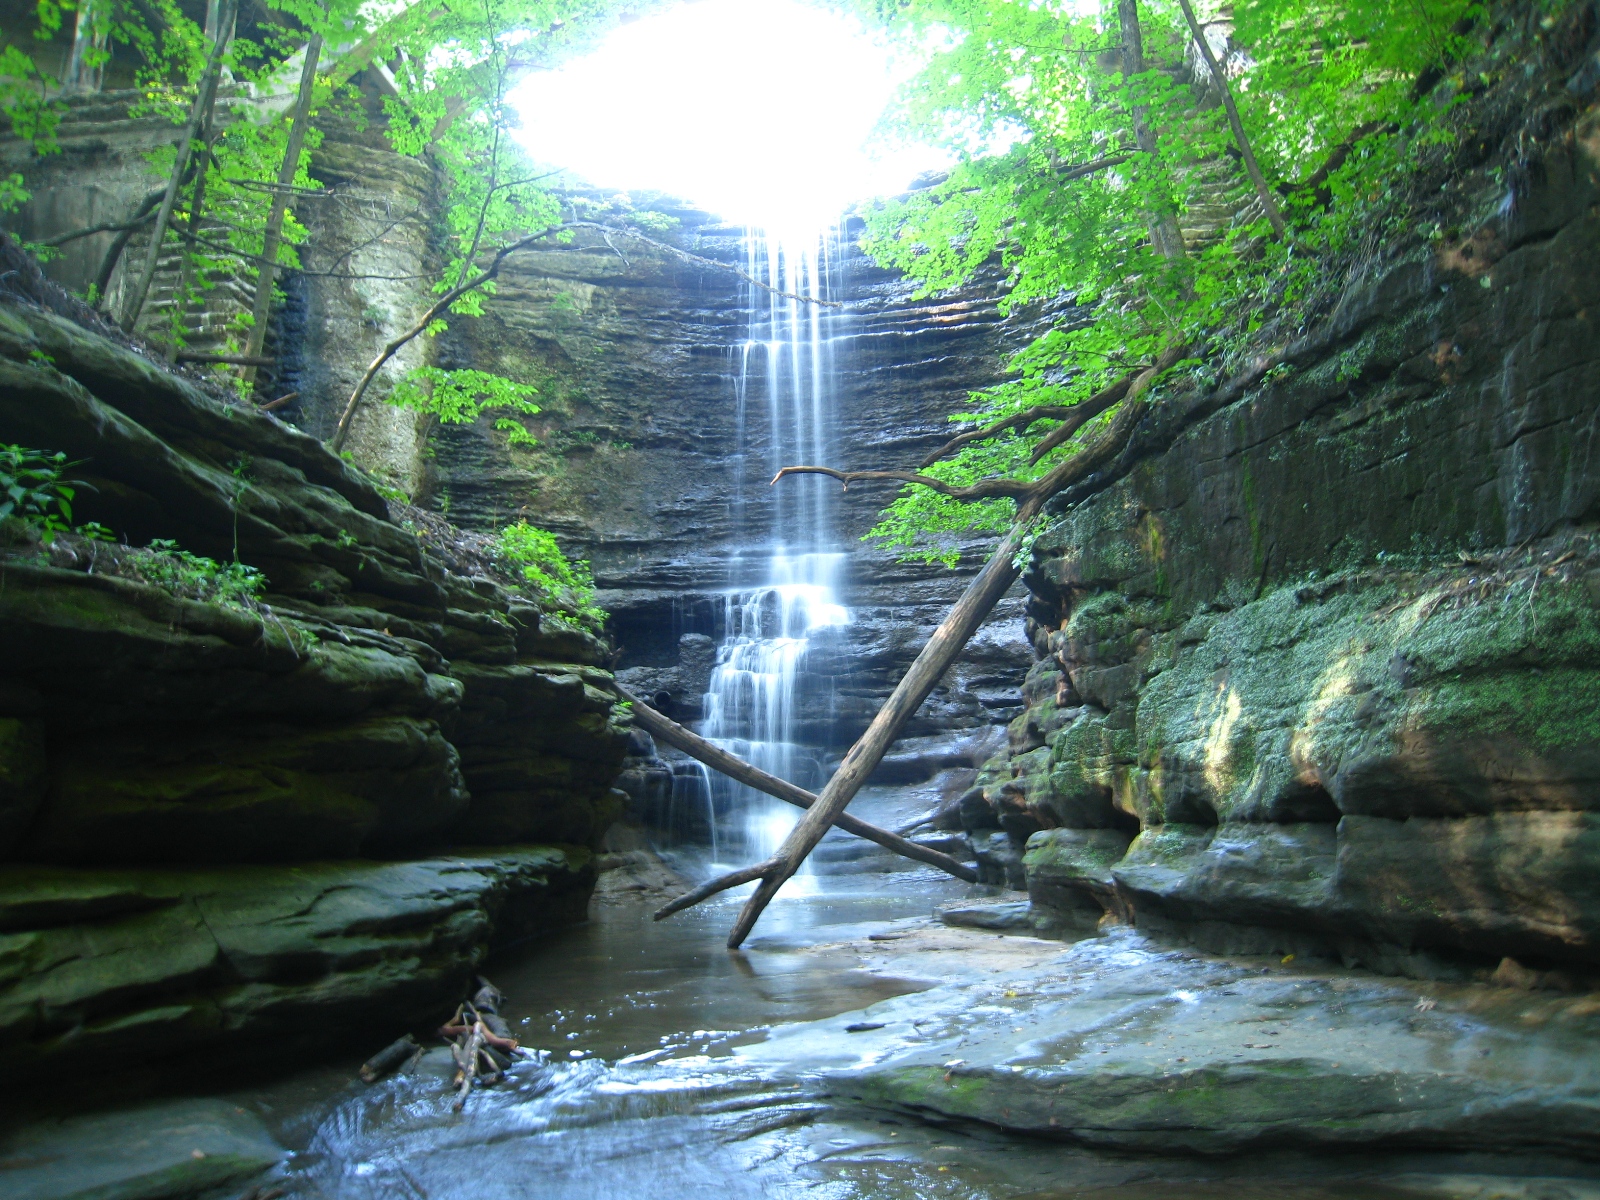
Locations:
{"points": [[1083, 133]]}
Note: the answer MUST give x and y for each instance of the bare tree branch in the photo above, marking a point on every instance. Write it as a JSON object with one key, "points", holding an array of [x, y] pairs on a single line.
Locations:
{"points": [[1263, 192], [1317, 181], [1132, 383], [61, 239], [1018, 421], [721, 884], [984, 489], [1068, 174], [336, 443]]}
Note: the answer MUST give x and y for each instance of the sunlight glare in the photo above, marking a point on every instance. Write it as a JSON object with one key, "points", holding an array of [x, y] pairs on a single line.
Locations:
{"points": [[758, 110]]}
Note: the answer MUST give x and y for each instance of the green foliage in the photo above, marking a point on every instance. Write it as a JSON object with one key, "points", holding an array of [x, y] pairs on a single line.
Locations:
{"points": [[13, 192], [461, 397], [455, 72], [33, 492], [652, 222], [1023, 91], [532, 555], [31, 111], [194, 577], [455, 66]]}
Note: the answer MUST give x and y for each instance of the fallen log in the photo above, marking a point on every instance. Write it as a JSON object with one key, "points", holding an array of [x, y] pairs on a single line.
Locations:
{"points": [[389, 1059], [941, 650], [718, 759]]}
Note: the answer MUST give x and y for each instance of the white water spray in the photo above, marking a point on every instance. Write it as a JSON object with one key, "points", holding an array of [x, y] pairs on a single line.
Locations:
{"points": [[791, 593]]}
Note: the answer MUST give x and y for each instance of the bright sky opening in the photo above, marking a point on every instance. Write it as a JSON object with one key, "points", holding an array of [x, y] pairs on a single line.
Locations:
{"points": [[758, 110]]}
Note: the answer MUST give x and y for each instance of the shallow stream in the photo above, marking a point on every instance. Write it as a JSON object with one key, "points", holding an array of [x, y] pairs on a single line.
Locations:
{"points": [[639, 1092]]}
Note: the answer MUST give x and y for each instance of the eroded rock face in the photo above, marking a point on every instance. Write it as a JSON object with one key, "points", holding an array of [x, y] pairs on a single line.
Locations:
{"points": [[649, 467], [1392, 760], [128, 965], [378, 704], [635, 352]]}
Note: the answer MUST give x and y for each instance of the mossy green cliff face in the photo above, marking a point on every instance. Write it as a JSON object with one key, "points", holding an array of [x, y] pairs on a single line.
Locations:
{"points": [[379, 704], [1328, 669]]}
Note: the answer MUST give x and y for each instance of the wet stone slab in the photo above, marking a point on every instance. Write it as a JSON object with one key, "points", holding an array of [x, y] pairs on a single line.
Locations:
{"points": [[1117, 1042], [181, 1148]]}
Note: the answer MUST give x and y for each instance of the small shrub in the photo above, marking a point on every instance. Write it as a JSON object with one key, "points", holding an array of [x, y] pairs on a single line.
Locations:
{"points": [[34, 492], [197, 578], [532, 555]]}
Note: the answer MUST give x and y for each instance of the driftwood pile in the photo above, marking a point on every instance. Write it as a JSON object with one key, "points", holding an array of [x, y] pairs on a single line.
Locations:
{"points": [[480, 1042]]}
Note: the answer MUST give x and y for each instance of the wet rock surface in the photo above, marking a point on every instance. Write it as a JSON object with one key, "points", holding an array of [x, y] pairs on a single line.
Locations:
{"points": [[153, 746], [1320, 677], [126, 966], [1120, 1042], [179, 1148]]}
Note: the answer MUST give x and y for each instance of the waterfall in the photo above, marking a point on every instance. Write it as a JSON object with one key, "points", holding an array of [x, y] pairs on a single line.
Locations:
{"points": [[788, 594]]}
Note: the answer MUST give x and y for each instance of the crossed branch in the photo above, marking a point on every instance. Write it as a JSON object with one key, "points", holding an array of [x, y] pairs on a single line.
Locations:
{"points": [[999, 573]]}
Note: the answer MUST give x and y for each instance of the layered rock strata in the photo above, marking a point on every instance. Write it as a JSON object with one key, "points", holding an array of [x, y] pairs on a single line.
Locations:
{"points": [[635, 352], [1322, 677], [375, 704]]}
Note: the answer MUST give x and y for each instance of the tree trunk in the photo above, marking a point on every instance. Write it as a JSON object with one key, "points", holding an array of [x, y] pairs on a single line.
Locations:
{"points": [[197, 207], [718, 759], [1263, 192], [942, 649], [1165, 236], [262, 307], [88, 36], [204, 102]]}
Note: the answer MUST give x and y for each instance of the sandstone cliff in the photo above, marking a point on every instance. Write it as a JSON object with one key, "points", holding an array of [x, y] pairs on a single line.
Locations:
{"points": [[227, 826], [1321, 676]]}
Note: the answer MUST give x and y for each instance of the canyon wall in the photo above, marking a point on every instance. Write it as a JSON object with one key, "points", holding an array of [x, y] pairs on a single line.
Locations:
{"points": [[634, 348], [238, 824], [1320, 677]]}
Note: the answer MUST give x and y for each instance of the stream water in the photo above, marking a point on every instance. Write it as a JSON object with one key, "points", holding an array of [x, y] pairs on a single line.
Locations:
{"points": [[638, 1090], [645, 1081]]}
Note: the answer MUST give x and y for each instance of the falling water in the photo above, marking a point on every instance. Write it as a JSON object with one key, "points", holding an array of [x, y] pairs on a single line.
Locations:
{"points": [[785, 375]]}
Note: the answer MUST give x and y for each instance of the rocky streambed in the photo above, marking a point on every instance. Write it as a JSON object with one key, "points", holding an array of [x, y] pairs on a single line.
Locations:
{"points": [[862, 1047]]}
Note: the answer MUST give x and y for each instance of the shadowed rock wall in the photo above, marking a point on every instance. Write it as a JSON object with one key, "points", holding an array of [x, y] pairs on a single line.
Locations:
{"points": [[1323, 676], [381, 705]]}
